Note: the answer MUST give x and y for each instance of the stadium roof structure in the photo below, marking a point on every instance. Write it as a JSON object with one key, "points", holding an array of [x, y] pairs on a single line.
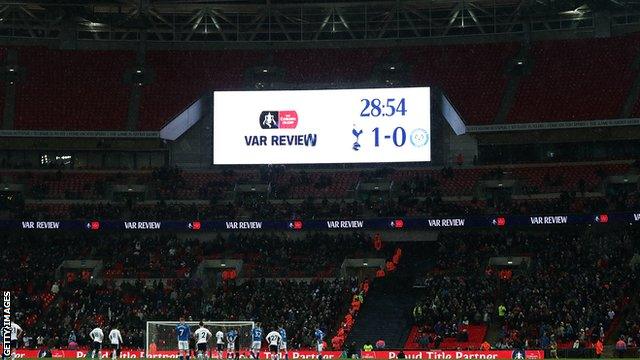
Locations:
{"points": [[294, 21]]}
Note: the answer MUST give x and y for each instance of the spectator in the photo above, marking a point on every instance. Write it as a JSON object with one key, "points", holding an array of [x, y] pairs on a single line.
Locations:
{"points": [[26, 341], [351, 351], [463, 336], [423, 341], [72, 339], [599, 348], [437, 341], [621, 347], [45, 352], [377, 242], [401, 354], [544, 341], [635, 262], [485, 346], [380, 344], [502, 311], [337, 341], [553, 348], [417, 313], [367, 346]]}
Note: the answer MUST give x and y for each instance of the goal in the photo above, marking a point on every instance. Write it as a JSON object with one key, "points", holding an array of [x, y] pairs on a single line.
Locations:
{"points": [[161, 338]]}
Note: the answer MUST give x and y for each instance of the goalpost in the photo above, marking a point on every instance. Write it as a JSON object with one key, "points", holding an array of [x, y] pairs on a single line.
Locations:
{"points": [[160, 336]]}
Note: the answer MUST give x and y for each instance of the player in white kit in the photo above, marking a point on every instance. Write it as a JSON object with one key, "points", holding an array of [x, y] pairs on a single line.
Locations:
{"points": [[16, 332], [202, 336], [116, 342], [219, 343], [274, 339], [96, 336]]}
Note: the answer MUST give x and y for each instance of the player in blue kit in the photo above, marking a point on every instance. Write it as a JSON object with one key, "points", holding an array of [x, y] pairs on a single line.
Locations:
{"points": [[184, 333], [319, 335], [256, 341], [283, 342]]}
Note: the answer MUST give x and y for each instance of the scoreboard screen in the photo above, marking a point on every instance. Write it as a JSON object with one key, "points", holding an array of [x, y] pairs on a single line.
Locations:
{"points": [[382, 125]]}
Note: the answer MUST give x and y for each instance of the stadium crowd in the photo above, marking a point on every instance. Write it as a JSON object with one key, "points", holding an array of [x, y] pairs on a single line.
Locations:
{"points": [[298, 306], [569, 290], [58, 298], [631, 327], [568, 272], [536, 304]]}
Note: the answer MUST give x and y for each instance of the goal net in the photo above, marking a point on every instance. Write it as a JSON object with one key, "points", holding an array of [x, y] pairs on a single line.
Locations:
{"points": [[161, 337]]}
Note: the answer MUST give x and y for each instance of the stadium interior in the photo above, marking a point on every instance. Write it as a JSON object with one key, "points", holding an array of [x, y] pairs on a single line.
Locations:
{"points": [[518, 236]]}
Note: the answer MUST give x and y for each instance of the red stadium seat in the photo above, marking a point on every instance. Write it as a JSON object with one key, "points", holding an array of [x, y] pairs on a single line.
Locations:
{"points": [[569, 80], [72, 90], [575, 80]]}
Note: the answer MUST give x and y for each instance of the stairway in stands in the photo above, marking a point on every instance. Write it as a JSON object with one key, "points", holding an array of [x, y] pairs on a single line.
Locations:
{"points": [[385, 313]]}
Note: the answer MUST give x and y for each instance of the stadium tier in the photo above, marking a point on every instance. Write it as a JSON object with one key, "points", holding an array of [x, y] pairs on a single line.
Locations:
{"points": [[90, 93], [585, 79], [567, 83], [159, 272], [475, 73], [455, 303], [459, 298], [182, 77], [188, 195]]}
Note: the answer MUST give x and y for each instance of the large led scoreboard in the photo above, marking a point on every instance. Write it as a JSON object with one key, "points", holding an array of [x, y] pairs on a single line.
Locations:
{"points": [[381, 125]]}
